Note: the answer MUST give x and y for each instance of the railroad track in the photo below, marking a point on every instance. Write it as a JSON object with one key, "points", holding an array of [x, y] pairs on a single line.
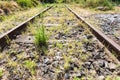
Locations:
{"points": [[11, 34], [73, 51], [109, 43]]}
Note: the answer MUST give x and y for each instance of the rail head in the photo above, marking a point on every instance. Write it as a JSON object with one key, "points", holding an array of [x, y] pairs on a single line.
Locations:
{"points": [[109, 43]]}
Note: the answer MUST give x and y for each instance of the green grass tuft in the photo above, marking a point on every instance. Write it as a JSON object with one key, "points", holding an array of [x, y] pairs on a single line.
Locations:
{"points": [[27, 3], [2, 18], [96, 3], [41, 37], [30, 65], [1, 73]]}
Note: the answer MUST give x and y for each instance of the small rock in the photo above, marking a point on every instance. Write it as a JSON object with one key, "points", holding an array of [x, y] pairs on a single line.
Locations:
{"points": [[82, 73], [33, 48], [39, 65], [76, 65], [57, 36], [45, 70], [71, 67], [115, 16], [100, 8], [31, 55], [50, 46], [96, 55], [47, 61], [93, 72], [108, 72], [101, 63], [95, 65], [67, 76], [1, 12], [19, 51], [78, 75], [118, 38], [89, 36], [58, 57], [87, 65], [55, 64], [112, 66], [101, 78], [58, 53], [105, 64], [90, 48], [3, 61], [64, 37], [12, 53], [14, 58], [101, 50], [60, 76]]}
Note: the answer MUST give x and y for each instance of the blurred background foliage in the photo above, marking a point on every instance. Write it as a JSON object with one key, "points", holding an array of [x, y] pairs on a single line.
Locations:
{"points": [[83, 3]]}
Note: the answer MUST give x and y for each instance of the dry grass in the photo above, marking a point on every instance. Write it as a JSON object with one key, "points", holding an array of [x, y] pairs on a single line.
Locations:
{"points": [[18, 17], [8, 6], [87, 11]]}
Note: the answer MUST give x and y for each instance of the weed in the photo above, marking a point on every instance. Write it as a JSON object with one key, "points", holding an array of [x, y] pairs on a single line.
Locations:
{"points": [[87, 29], [117, 78], [84, 57], [67, 30], [80, 51], [41, 16], [30, 65], [27, 3], [32, 78], [31, 28], [41, 37], [66, 66], [114, 53], [116, 34], [96, 3], [2, 18], [75, 78], [71, 46], [57, 70], [8, 40], [67, 62], [80, 44], [1, 56], [108, 78], [70, 51], [51, 52], [1, 73], [85, 40], [20, 56], [59, 1], [59, 45], [12, 63], [44, 50], [112, 77]]}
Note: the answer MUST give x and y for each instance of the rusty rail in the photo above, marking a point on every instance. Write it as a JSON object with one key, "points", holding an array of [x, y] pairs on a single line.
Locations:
{"points": [[11, 34], [109, 43]]}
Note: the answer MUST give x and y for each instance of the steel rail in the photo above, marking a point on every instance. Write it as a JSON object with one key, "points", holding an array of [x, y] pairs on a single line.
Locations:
{"points": [[11, 34], [109, 43]]}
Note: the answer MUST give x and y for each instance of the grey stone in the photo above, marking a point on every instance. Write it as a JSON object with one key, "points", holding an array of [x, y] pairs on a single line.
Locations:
{"points": [[67, 76], [60, 76], [101, 78], [112, 66], [47, 61]]}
